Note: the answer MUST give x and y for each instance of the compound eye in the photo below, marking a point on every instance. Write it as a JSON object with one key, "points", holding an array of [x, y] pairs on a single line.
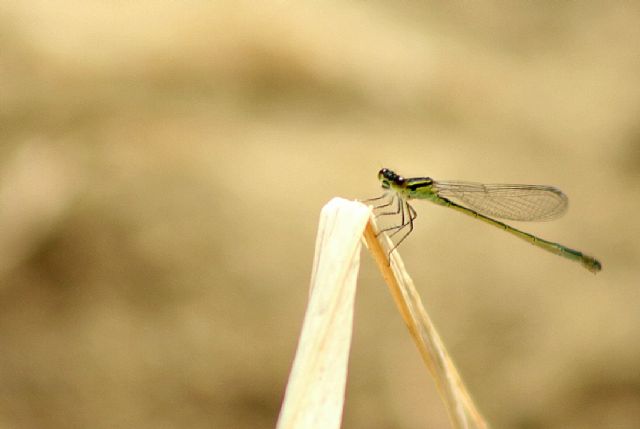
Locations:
{"points": [[400, 180]]}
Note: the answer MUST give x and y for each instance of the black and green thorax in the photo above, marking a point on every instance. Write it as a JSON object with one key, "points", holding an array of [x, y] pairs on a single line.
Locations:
{"points": [[408, 187]]}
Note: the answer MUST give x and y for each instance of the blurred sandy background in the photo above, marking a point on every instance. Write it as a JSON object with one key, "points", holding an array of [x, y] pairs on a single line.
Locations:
{"points": [[163, 164]]}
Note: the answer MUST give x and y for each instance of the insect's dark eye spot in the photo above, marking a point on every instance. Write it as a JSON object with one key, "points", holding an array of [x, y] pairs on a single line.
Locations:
{"points": [[400, 180]]}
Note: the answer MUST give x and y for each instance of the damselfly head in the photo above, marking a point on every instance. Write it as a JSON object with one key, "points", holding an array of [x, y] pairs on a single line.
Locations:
{"points": [[389, 178]]}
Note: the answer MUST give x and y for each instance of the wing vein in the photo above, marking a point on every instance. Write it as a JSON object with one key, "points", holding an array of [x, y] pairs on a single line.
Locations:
{"points": [[505, 201]]}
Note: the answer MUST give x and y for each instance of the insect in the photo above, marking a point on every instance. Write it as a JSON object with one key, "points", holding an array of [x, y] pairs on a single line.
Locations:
{"points": [[483, 202]]}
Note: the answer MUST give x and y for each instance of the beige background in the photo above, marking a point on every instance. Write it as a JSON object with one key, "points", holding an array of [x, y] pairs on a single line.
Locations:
{"points": [[163, 164]]}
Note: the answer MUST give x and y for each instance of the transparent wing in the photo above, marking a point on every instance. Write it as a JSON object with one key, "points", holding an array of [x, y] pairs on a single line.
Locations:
{"points": [[514, 202]]}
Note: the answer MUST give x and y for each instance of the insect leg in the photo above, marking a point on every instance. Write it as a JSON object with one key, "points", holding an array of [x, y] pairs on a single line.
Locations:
{"points": [[412, 216]]}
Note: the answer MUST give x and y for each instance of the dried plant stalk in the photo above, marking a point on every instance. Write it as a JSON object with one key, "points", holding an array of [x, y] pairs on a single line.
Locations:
{"points": [[462, 411], [314, 396], [315, 392]]}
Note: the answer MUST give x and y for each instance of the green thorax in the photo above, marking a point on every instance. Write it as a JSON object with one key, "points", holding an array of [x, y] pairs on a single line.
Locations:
{"points": [[408, 188]]}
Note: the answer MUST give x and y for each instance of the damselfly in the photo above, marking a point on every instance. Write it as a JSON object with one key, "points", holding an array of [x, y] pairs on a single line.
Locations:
{"points": [[513, 202]]}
